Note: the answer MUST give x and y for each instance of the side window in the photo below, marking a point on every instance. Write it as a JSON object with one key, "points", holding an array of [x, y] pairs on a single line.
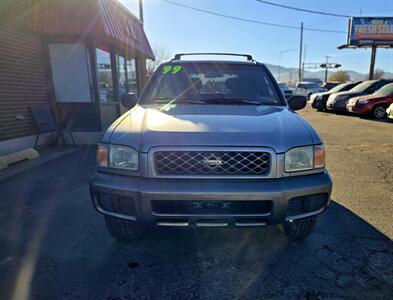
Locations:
{"points": [[376, 86], [132, 84], [121, 74], [104, 74]]}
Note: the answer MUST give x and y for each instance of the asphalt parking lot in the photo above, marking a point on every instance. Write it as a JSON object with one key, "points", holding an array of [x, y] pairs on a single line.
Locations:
{"points": [[53, 245]]}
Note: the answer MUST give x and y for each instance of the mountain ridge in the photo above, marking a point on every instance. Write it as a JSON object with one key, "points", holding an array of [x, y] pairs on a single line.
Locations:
{"points": [[291, 74]]}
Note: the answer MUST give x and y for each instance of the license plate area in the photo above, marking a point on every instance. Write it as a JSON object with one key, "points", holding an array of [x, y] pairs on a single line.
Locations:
{"points": [[210, 207], [203, 207]]}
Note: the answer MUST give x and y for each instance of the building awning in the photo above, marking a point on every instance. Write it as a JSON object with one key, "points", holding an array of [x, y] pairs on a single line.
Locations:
{"points": [[108, 21]]}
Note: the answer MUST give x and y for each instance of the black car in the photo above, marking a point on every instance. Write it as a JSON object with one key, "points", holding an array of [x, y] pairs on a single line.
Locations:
{"points": [[338, 101], [318, 100]]}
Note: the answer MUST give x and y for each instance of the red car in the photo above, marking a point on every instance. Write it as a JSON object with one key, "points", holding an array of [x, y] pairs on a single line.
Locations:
{"points": [[374, 105]]}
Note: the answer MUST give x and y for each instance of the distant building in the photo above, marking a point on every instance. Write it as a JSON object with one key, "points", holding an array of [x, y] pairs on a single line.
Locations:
{"points": [[76, 56]]}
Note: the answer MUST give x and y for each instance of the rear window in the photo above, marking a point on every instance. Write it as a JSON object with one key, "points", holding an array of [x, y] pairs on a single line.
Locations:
{"points": [[205, 81]]}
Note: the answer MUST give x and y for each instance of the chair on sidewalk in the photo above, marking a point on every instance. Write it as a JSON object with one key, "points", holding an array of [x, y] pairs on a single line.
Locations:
{"points": [[45, 123]]}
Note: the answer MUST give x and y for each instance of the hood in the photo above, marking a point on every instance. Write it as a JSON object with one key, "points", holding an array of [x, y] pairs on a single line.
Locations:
{"points": [[275, 127], [321, 95], [374, 97]]}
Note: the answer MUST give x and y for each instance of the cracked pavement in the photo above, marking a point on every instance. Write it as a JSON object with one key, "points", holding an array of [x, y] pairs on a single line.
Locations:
{"points": [[53, 245]]}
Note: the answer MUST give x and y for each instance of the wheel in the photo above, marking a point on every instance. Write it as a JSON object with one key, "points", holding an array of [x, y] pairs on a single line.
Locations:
{"points": [[123, 230], [299, 229], [378, 112]]}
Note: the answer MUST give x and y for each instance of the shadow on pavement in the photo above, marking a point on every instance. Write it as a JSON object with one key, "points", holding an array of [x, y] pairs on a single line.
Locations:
{"points": [[54, 245]]}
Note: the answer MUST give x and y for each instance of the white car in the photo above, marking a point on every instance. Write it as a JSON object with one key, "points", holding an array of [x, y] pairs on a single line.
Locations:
{"points": [[285, 90], [305, 88], [389, 111]]}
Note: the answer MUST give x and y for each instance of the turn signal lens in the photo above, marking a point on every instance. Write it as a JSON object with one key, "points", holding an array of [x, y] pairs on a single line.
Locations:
{"points": [[102, 155], [319, 156]]}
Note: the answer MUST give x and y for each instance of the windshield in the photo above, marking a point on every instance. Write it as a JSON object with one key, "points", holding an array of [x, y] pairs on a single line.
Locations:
{"points": [[339, 88], [363, 86], [204, 82], [386, 90]]}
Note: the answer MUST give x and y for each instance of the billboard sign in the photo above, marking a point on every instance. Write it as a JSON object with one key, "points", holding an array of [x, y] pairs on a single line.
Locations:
{"points": [[370, 31]]}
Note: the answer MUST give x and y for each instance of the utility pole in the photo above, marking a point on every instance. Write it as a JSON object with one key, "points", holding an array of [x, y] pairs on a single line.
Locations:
{"points": [[326, 69], [372, 63], [304, 59], [300, 52], [279, 61], [141, 11], [141, 62]]}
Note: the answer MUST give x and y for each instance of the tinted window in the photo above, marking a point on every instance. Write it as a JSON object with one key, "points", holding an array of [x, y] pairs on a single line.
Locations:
{"points": [[204, 81], [386, 90], [363, 86]]}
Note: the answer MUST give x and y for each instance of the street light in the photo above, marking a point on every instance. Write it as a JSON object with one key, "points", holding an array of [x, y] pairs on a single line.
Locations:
{"points": [[279, 61]]}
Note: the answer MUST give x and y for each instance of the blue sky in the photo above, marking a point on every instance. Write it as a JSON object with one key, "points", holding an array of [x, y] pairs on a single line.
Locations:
{"points": [[178, 29]]}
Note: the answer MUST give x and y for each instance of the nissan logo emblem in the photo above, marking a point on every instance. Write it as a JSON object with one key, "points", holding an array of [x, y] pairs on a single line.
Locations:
{"points": [[212, 161]]}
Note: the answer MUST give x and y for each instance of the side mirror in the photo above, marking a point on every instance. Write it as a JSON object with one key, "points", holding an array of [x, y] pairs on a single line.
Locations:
{"points": [[128, 100], [297, 102]]}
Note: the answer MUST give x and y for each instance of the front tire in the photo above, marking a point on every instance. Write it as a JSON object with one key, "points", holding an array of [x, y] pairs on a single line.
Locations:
{"points": [[299, 229], [123, 230], [378, 112]]}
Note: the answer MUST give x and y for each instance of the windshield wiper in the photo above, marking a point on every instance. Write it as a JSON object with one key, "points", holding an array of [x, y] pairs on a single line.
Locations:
{"points": [[227, 100], [180, 100]]}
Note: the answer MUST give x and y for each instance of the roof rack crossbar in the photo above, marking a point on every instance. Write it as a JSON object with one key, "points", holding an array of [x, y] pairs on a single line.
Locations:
{"points": [[179, 55]]}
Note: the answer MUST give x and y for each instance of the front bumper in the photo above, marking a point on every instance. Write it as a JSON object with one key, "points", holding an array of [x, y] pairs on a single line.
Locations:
{"points": [[358, 109], [338, 105], [319, 103], [290, 198]]}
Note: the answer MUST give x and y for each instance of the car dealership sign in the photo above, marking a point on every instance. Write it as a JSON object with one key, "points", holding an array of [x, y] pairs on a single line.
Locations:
{"points": [[369, 31]]}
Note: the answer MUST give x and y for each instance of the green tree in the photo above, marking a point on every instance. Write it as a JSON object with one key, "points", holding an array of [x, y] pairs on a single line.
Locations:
{"points": [[341, 76]]}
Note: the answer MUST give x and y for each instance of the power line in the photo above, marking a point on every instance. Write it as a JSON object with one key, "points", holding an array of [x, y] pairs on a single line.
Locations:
{"points": [[303, 10], [248, 20]]}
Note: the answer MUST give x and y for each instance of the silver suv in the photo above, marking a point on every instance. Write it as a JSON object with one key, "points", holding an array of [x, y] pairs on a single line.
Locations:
{"points": [[211, 144]]}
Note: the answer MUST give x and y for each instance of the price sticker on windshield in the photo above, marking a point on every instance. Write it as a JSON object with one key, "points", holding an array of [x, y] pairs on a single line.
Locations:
{"points": [[171, 69]]}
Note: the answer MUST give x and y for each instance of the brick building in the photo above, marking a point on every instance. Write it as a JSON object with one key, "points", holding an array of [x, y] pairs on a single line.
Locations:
{"points": [[76, 56]]}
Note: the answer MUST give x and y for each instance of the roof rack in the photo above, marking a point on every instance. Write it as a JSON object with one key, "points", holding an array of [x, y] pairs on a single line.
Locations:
{"points": [[248, 56]]}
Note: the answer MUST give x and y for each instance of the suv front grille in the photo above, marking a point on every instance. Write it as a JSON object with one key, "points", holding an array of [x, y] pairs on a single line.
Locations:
{"points": [[212, 163]]}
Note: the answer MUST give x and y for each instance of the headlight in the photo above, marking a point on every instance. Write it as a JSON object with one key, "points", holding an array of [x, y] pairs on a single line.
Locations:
{"points": [[117, 156], [363, 101], [352, 101], [305, 158]]}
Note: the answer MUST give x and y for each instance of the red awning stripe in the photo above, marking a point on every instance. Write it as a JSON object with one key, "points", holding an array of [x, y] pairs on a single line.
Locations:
{"points": [[107, 20]]}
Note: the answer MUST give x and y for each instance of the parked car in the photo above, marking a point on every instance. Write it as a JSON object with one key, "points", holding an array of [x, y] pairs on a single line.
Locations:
{"points": [[287, 92], [330, 84], [313, 80], [374, 105], [389, 111], [338, 101], [307, 88], [318, 100], [188, 154]]}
